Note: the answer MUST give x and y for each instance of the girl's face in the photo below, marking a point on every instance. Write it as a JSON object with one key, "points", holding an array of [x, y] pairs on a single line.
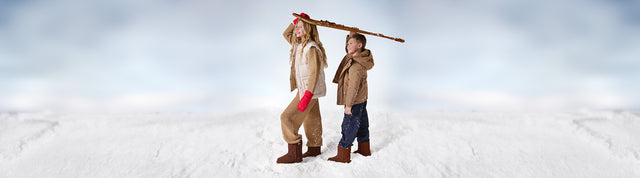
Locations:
{"points": [[299, 30], [353, 46]]}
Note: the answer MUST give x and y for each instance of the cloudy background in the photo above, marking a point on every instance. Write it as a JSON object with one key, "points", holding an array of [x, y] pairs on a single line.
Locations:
{"points": [[172, 55]]}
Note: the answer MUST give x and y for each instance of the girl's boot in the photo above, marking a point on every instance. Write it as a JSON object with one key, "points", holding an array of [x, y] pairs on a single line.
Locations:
{"points": [[311, 151], [294, 155]]}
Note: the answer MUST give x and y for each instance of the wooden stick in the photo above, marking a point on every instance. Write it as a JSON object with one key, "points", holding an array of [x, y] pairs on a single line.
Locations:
{"points": [[333, 25]]}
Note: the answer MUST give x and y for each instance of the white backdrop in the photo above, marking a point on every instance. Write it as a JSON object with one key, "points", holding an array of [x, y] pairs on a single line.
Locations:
{"points": [[145, 56]]}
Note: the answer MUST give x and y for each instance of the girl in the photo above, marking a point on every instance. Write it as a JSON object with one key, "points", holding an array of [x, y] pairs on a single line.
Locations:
{"points": [[308, 61]]}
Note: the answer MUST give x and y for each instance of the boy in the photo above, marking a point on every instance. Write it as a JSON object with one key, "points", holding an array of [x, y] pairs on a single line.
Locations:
{"points": [[351, 78]]}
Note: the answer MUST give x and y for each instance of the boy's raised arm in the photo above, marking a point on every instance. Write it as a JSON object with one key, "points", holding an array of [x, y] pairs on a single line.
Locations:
{"points": [[288, 33]]}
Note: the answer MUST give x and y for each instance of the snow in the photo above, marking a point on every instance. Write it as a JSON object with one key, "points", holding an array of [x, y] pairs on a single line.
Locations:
{"points": [[246, 144]]}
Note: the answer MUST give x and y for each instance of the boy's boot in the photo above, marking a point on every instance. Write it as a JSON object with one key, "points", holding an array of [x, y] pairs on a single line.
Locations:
{"points": [[343, 156], [363, 149], [311, 151], [294, 155]]}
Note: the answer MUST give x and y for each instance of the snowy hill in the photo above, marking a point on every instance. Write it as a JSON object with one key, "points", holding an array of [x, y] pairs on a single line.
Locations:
{"points": [[246, 144]]}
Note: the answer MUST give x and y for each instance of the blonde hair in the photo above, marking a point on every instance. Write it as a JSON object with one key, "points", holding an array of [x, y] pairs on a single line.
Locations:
{"points": [[310, 33]]}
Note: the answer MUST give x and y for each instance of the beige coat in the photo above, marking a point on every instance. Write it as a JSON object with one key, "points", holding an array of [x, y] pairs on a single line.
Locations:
{"points": [[351, 78], [314, 75]]}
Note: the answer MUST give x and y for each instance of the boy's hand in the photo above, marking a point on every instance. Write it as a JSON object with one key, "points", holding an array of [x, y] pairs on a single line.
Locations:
{"points": [[347, 110]]}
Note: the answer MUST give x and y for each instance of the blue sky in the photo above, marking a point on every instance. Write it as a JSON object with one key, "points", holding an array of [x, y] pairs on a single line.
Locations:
{"points": [[112, 56]]}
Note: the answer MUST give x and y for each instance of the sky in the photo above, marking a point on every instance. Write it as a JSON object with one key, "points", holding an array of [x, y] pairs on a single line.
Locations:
{"points": [[200, 56]]}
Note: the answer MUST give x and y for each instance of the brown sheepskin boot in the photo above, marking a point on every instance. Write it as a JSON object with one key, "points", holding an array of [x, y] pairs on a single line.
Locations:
{"points": [[294, 155], [311, 151], [343, 156], [363, 149]]}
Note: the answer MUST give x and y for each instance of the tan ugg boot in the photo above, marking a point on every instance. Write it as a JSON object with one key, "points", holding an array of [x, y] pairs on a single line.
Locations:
{"points": [[363, 149], [311, 151], [343, 156], [294, 155]]}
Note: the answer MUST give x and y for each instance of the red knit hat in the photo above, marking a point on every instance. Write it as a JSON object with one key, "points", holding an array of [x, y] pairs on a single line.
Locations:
{"points": [[295, 21]]}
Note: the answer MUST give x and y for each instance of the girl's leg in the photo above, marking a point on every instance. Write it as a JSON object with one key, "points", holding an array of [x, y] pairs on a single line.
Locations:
{"points": [[290, 121], [313, 124]]}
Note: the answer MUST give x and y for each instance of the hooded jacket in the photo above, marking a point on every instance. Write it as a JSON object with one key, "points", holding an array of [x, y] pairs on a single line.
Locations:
{"points": [[351, 78]]}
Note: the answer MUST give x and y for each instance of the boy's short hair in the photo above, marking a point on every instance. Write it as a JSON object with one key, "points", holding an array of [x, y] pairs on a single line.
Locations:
{"points": [[360, 38]]}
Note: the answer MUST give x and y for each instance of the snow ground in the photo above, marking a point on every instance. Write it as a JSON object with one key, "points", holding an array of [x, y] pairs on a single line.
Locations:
{"points": [[246, 144]]}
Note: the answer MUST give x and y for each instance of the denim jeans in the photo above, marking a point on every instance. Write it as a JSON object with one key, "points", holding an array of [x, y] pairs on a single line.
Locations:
{"points": [[355, 125]]}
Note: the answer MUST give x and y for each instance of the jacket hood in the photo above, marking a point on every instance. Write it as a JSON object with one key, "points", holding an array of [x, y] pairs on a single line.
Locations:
{"points": [[365, 59]]}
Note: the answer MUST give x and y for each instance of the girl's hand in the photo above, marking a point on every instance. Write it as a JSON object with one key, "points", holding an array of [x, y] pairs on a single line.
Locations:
{"points": [[347, 110]]}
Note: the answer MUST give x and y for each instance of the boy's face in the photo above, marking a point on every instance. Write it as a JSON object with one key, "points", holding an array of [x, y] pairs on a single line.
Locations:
{"points": [[353, 46], [299, 30]]}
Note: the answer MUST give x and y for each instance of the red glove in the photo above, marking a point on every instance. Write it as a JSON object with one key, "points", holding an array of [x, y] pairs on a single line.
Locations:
{"points": [[304, 102], [295, 21]]}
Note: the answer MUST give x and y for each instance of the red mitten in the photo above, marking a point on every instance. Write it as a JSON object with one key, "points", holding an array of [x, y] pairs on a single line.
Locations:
{"points": [[295, 21], [304, 102]]}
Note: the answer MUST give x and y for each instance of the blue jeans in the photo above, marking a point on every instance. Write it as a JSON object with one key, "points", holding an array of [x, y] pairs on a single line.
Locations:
{"points": [[355, 125]]}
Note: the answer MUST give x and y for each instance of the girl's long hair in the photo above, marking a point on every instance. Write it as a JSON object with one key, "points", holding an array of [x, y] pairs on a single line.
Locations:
{"points": [[310, 33]]}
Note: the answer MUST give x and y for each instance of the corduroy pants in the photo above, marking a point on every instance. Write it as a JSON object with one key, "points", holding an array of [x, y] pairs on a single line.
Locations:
{"points": [[291, 119]]}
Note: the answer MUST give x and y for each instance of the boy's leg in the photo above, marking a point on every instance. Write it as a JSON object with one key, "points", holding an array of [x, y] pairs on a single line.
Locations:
{"points": [[350, 124], [363, 130], [313, 124], [290, 121]]}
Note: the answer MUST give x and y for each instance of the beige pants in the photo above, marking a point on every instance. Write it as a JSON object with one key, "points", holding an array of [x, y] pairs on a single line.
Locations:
{"points": [[292, 118]]}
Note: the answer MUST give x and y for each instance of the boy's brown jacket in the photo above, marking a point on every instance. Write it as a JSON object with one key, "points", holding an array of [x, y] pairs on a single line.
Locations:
{"points": [[314, 67], [351, 78]]}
